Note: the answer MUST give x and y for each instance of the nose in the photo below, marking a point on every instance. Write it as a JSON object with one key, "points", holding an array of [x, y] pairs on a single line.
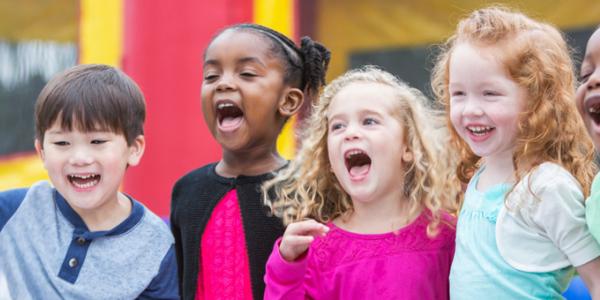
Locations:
{"points": [[225, 83], [81, 156], [472, 107], [594, 81], [352, 132]]}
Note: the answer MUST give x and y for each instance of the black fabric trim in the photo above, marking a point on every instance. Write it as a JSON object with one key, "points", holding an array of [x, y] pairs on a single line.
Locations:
{"points": [[194, 198]]}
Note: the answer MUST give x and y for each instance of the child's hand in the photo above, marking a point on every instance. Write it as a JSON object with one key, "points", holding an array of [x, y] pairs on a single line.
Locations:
{"points": [[298, 236]]}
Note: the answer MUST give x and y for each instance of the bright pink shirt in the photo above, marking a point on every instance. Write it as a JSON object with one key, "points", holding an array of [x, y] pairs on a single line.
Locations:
{"points": [[224, 271], [343, 265]]}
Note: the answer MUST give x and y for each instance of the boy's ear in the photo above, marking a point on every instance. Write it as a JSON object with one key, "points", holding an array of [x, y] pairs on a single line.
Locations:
{"points": [[291, 102], [40, 151], [136, 150]]}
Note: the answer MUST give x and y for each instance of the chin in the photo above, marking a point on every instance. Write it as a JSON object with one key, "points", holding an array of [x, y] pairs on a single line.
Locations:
{"points": [[360, 196]]}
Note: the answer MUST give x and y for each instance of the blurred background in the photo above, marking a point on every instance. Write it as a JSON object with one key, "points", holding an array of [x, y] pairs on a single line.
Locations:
{"points": [[160, 44]]}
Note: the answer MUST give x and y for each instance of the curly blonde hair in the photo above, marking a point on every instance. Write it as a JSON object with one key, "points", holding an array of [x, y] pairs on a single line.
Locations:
{"points": [[537, 58], [308, 189]]}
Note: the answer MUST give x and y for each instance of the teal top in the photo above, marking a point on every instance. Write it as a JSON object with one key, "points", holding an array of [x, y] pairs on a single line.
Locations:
{"points": [[592, 209], [478, 270]]}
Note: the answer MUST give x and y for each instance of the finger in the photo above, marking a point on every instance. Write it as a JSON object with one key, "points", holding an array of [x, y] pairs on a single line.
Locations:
{"points": [[309, 227], [292, 247], [297, 240]]}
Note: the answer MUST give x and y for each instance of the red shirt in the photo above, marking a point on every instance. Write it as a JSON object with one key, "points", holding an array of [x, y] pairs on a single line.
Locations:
{"points": [[224, 271]]}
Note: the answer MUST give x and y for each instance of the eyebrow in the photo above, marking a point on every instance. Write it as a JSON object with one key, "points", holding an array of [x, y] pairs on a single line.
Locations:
{"points": [[243, 60], [362, 112], [55, 132]]}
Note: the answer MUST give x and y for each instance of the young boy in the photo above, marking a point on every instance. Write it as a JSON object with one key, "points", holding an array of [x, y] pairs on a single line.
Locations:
{"points": [[80, 238]]}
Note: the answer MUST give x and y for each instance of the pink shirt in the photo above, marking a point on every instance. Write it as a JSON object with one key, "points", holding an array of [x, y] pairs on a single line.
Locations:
{"points": [[343, 265], [224, 272]]}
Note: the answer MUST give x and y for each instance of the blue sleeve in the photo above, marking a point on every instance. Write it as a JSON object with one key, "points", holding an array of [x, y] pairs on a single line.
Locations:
{"points": [[9, 202], [165, 284]]}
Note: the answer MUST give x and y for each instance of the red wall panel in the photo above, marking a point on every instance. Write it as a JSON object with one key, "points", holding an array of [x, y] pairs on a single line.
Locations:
{"points": [[164, 43]]}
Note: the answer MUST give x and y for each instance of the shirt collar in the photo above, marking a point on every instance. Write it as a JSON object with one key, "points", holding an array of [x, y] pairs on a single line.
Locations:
{"points": [[137, 212]]}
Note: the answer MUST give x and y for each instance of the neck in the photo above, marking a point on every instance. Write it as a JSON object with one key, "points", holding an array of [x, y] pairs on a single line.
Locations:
{"points": [[380, 216], [256, 161], [497, 170], [108, 216]]}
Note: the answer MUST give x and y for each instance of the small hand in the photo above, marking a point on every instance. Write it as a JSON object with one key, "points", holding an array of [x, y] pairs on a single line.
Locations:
{"points": [[298, 236]]}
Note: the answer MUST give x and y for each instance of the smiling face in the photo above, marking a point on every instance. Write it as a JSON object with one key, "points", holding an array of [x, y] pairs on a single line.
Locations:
{"points": [[588, 93], [485, 102], [87, 167], [365, 142], [242, 91]]}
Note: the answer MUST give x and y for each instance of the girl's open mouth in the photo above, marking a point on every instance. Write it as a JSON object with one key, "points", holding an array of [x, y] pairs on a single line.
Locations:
{"points": [[592, 108], [358, 163], [229, 115]]}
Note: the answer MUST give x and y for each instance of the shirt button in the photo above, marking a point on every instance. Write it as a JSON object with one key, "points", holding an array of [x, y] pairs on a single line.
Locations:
{"points": [[80, 240], [73, 262]]}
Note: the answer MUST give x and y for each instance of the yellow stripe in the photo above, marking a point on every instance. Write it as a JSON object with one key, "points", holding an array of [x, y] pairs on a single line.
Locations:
{"points": [[101, 32], [279, 15], [286, 143], [21, 172], [275, 14]]}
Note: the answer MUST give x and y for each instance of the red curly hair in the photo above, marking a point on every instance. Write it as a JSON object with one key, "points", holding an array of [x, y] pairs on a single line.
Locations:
{"points": [[537, 58]]}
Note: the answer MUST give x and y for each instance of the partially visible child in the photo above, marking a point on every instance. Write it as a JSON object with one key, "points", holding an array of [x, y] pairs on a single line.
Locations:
{"points": [[508, 85], [588, 103], [255, 78], [370, 179], [79, 237]]}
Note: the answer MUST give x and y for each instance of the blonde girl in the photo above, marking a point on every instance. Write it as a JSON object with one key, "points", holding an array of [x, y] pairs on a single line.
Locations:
{"points": [[364, 199]]}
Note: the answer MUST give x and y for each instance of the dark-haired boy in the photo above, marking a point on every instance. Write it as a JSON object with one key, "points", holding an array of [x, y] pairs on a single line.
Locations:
{"points": [[79, 237]]}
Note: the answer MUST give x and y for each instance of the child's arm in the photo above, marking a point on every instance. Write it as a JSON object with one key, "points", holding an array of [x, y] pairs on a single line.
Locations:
{"points": [[164, 285], [590, 273], [561, 213], [592, 215], [178, 252], [9, 203], [287, 266]]}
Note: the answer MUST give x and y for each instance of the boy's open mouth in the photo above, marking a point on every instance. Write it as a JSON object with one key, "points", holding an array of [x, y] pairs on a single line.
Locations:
{"points": [[357, 162], [228, 114], [84, 181]]}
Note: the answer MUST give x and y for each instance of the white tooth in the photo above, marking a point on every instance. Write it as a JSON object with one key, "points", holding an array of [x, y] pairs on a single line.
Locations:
{"points": [[223, 105], [353, 152], [479, 129], [86, 185]]}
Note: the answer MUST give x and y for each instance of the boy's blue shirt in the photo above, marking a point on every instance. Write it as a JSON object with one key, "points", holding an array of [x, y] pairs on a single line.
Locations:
{"points": [[47, 251], [9, 202]]}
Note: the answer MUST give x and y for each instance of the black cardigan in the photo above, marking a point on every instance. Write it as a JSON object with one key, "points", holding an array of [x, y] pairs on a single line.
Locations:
{"points": [[194, 197]]}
